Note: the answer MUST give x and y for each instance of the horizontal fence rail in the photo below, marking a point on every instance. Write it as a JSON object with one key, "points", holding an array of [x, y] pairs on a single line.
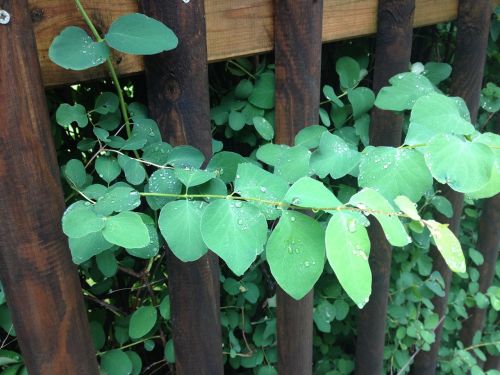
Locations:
{"points": [[234, 27]]}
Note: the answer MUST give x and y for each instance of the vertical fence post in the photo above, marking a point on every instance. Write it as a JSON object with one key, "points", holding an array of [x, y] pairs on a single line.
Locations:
{"points": [[40, 281], [392, 56], [179, 100], [487, 244], [467, 77], [298, 28]]}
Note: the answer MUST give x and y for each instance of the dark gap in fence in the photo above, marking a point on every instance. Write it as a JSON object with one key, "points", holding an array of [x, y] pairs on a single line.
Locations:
{"points": [[297, 25], [38, 276], [179, 100], [472, 38], [392, 56]]}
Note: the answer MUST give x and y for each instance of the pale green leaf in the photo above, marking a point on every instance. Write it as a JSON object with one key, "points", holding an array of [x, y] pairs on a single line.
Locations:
{"points": [[134, 171], [80, 219], [117, 199], [448, 245], [127, 230], [362, 99], [192, 176], [107, 168], [84, 248], [307, 192], [309, 136], [407, 207], [296, 253]]}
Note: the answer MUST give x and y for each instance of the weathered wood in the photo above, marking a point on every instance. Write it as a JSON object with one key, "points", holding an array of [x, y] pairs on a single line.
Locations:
{"points": [[472, 38], [234, 28], [177, 84], [298, 71], [488, 242], [392, 56], [38, 276]]}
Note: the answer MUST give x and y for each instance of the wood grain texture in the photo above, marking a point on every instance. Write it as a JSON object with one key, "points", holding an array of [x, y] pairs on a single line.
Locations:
{"points": [[298, 70], [234, 27], [392, 56], [38, 276], [177, 86], [472, 38]]}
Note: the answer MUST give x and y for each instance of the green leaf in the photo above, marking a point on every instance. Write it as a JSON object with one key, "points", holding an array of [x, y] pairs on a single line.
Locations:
{"points": [[362, 128], [68, 114], [263, 127], [225, 164], [116, 362], [79, 220], [271, 153], [243, 89], [362, 99], [74, 171], [384, 213], [254, 182], [493, 186], [443, 205], [74, 49], [296, 253], [448, 245], [349, 71], [106, 262], [157, 153], [136, 362], [84, 248], [127, 230], [169, 352], [118, 199], [309, 136], [435, 114], [153, 247], [330, 94], [395, 171], [193, 177], [263, 93], [333, 157], [106, 103], [163, 181], [235, 231], [138, 34], [293, 163], [146, 129], [142, 321], [307, 192], [236, 120], [185, 156], [165, 308], [437, 72], [134, 171], [347, 251], [465, 166], [324, 117], [408, 207], [107, 168], [404, 91], [179, 224]]}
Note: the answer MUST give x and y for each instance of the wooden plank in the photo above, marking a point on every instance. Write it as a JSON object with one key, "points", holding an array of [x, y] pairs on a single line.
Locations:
{"points": [[177, 84], [468, 66], [234, 27], [298, 73], [392, 56], [40, 280]]}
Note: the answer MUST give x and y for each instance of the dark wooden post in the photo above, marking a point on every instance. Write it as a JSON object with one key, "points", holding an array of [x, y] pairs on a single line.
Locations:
{"points": [[467, 77], [179, 100], [488, 241], [39, 278], [392, 56], [298, 28]]}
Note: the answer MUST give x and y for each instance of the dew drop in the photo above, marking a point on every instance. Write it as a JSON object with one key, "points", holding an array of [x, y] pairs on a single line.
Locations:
{"points": [[292, 218], [263, 189]]}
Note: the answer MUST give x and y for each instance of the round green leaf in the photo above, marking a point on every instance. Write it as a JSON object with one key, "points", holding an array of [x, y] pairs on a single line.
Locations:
{"points": [[136, 362], [348, 70], [225, 164], [296, 253], [79, 220], [179, 224], [107, 168], [152, 248], [347, 251], [236, 120], [127, 230], [395, 171], [106, 103], [134, 171], [74, 171], [362, 99], [138, 34], [67, 114], [84, 248], [236, 231], [74, 49], [118, 199], [263, 127], [263, 93], [465, 166], [307, 192], [142, 321], [192, 176], [116, 362], [309, 136], [163, 181]]}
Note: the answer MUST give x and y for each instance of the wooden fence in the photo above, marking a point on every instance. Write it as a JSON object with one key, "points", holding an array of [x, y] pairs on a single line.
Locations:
{"points": [[49, 316]]}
